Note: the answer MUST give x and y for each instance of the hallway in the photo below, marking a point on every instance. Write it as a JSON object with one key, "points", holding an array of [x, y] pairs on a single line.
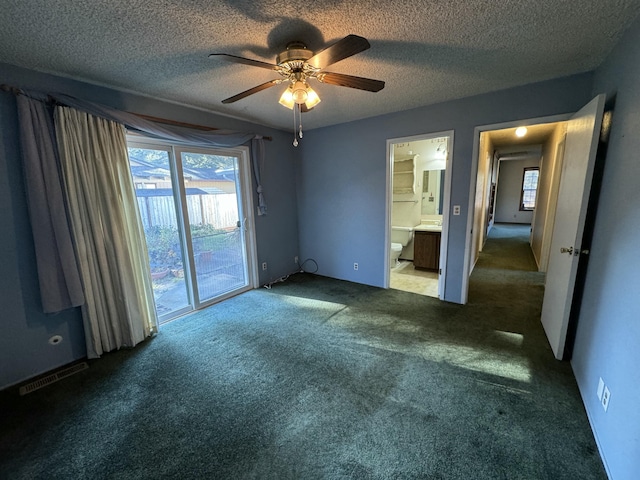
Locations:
{"points": [[504, 308], [506, 273]]}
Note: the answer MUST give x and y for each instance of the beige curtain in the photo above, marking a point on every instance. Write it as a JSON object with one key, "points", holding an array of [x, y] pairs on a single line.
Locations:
{"points": [[107, 231]]}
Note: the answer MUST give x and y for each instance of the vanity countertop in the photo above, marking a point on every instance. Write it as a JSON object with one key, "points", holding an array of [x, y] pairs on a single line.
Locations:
{"points": [[424, 227]]}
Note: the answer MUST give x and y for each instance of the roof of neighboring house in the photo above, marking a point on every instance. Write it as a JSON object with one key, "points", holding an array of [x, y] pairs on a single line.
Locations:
{"points": [[167, 192], [149, 172], [210, 174], [143, 169]]}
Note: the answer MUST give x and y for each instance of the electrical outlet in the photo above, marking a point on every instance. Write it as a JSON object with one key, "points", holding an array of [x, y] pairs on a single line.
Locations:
{"points": [[295, 259], [355, 266], [456, 209], [606, 396], [264, 265]]}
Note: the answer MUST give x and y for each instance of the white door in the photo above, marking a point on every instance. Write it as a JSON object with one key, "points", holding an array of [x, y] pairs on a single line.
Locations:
{"points": [[583, 133]]}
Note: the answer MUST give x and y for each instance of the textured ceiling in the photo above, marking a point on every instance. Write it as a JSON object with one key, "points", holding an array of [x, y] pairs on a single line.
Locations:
{"points": [[425, 51]]}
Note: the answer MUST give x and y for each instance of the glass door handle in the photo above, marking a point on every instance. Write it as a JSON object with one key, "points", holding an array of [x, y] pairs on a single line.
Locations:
{"points": [[242, 224]]}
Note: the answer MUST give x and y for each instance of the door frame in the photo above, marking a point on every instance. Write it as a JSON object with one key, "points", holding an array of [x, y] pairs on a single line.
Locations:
{"points": [[445, 205], [468, 243]]}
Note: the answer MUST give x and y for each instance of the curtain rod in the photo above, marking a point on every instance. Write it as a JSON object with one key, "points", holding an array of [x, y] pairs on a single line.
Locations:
{"points": [[181, 124], [10, 89], [17, 91]]}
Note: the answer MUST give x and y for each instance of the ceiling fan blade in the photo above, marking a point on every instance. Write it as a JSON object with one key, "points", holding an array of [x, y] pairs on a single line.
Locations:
{"points": [[350, 81], [245, 61], [251, 91], [348, 46]]}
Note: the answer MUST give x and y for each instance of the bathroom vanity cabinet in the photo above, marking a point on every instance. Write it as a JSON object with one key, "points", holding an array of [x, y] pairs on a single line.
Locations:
{"points": [[426, 250]]}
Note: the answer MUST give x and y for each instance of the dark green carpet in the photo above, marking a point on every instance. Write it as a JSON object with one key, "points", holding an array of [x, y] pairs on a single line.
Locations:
{"points": [[320, 378]]}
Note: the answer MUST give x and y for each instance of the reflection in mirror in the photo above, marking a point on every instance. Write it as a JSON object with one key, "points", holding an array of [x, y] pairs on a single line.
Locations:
{"points": [[432, 192]]}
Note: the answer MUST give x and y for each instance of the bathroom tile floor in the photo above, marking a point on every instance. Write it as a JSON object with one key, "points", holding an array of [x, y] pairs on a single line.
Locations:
{"points": [[405, 277]]}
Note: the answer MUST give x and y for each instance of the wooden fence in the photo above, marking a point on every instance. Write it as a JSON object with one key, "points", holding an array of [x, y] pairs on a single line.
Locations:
{"points": [[219, 210]]}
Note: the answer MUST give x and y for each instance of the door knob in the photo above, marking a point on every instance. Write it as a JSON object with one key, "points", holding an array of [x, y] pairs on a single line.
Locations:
{"points": [[566, 250]]}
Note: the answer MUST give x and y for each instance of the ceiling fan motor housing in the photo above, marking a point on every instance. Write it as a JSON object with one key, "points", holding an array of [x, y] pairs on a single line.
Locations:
{"points": [[295, 52]]}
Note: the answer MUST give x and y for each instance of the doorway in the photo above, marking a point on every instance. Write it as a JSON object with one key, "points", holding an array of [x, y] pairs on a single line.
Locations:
{"points": [[577, 150], [540, 146], [418, 192], [196, 213]]}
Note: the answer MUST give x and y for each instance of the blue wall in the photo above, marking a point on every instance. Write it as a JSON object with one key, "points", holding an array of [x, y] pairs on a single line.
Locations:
{"points": [[24, 329], [342, 175], [608, 337]]}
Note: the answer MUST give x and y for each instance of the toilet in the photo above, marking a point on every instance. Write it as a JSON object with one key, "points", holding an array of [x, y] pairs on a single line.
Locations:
{"points": [[400, 237], [396, 250]]}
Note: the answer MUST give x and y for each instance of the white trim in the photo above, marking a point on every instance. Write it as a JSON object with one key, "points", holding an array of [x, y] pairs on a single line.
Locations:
{"points": [[387, 216], [177, 180], [248, 223], [445, 205], [466, 272]]}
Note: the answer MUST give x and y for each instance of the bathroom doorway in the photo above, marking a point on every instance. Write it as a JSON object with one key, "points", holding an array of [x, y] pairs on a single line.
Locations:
{"points": [[418, 192]]}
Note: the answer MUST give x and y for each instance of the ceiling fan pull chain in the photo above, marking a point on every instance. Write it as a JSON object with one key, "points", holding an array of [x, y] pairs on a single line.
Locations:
{"points": [[300, 115], [295, 138]]}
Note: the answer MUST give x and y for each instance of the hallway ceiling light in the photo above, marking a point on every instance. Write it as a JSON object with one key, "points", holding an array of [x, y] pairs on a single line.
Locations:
{"points": [[521, 131]]}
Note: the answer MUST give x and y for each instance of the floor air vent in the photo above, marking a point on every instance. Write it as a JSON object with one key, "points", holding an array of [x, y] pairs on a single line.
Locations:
{"points": [[52, 378]]}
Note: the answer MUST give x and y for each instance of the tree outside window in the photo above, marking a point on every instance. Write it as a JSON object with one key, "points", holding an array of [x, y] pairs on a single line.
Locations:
{"points": [[529, 188]]}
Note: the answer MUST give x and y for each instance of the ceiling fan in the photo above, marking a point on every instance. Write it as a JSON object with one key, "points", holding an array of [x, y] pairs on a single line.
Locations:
{"points": [[297, 65]]}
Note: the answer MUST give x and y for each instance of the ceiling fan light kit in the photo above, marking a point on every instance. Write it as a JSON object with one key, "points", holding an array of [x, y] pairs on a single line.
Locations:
{"points": [[296, 65], [299, 93]]}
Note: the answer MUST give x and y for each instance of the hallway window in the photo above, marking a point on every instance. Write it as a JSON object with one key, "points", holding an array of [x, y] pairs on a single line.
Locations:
{"points": [[529, 188]]}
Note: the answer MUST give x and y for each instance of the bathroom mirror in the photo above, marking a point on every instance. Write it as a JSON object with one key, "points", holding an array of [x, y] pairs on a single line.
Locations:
{"points": [[432, 192]]}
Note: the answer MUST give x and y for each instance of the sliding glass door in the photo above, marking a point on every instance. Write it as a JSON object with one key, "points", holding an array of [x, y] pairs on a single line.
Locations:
{"points": [[213, 214], [195, 207]]}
